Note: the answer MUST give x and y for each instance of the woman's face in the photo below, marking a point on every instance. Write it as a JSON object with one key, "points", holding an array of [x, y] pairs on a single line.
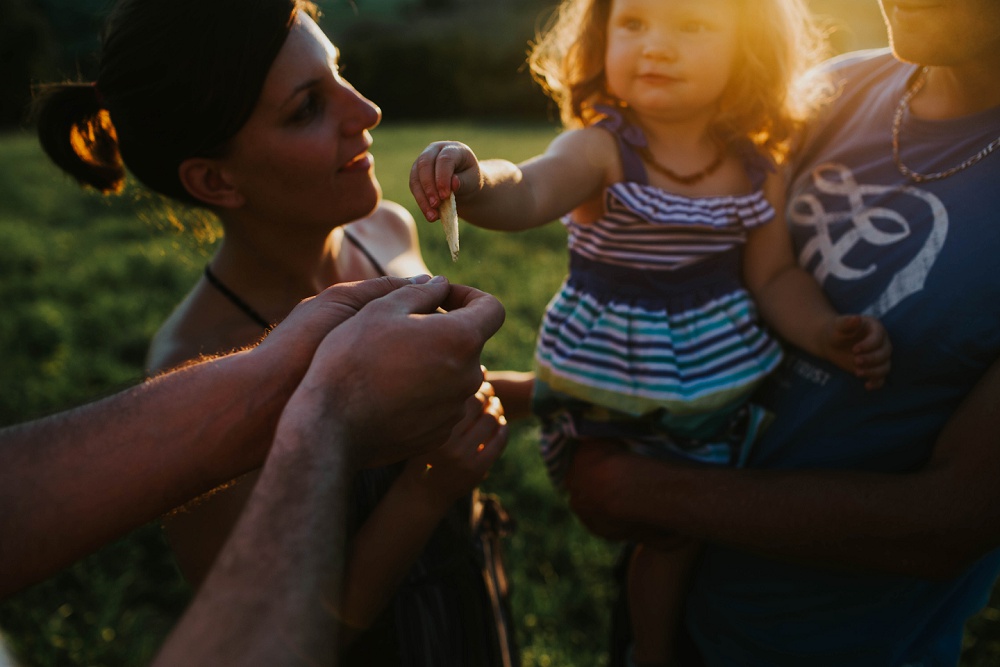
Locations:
{"points": [[302, 156]]}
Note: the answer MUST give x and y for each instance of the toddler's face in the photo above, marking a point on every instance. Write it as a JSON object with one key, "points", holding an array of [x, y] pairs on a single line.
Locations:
{"points": [[671, 58]]}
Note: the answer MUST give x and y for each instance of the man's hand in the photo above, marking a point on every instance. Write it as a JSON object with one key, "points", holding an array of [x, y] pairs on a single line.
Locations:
{"points": [[299, 334], [596, 474], [395, 372]]}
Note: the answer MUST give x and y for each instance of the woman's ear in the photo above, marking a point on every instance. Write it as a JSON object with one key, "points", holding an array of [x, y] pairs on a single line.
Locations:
{"points": [[207, 182]]}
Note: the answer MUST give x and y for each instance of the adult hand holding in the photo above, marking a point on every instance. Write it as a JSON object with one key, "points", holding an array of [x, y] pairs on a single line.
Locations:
{"points": [[392, 377], [399, 356], [89, 475]]}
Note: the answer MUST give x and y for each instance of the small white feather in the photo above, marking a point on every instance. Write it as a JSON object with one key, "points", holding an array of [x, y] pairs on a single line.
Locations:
{"points": [[449, 220]]}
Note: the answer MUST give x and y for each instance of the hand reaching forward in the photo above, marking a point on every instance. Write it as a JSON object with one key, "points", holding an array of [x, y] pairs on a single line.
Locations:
{"points": [[442, 168], [395, 374], [859, 344]]}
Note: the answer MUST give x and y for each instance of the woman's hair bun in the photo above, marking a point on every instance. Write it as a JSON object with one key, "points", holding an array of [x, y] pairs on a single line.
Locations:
{"points": [[77, 134]]}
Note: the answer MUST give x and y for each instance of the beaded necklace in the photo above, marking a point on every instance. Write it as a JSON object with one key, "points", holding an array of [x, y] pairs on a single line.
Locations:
{"points": [[685, 179]]}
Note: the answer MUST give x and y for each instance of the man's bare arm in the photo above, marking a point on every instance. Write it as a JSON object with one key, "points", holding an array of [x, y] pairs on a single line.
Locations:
{"points": [[932, 522], [274, 594], [76, 480]]}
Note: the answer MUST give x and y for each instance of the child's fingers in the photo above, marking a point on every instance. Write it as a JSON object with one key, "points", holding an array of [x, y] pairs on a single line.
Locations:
{"points": [[435, 174], [422, 184], [872, 363], [868, 334], [432, 173], [847, 326], [875, 376], [848, 330], [873, 367], [873, 358], [873, 350], [449, 161], [875, 383]]}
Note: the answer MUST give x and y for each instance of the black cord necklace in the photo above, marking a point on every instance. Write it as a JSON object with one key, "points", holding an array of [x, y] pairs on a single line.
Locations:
{"points": [[236, 300], [685, 179]]}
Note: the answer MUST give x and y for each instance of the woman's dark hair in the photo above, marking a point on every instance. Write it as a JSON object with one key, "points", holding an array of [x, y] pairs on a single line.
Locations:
{"points": [[177, 79]]}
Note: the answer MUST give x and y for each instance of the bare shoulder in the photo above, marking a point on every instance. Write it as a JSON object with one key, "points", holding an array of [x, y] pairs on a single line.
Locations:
{"points": [[389, 234], [200, 326], [592, 149], [596, 143], [575, 170], [391, 220]]}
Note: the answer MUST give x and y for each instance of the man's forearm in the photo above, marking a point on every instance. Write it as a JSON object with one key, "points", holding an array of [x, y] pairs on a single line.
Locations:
{"points": [[930, 523], [842, 519], [87, 476], [273, 596]]}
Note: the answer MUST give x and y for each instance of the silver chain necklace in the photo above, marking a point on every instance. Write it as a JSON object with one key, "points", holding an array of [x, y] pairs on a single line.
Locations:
{"points": [[897, 121]]}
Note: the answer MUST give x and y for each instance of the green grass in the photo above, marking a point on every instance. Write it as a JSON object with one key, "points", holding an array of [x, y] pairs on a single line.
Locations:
{"points": [[85, 281]]}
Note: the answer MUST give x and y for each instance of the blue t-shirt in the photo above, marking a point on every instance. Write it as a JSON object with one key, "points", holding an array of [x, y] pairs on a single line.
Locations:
{"points": [[922, 258]]}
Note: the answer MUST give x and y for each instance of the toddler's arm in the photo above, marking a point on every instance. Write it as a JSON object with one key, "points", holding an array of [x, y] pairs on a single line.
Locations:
{"points": [[792, 302], [860, 344], [395, 533], [514, 389], [498, 194]]}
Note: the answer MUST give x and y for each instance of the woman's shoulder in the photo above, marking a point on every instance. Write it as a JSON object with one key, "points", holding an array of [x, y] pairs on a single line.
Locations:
{"points": [[388, 223], [389, 235], [198, 327]]}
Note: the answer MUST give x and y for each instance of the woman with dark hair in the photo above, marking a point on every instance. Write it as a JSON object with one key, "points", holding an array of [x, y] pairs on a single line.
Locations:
{"points": [[238, 106]]}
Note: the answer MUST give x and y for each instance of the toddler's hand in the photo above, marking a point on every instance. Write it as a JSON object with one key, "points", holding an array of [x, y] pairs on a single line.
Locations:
{"points": [[860, 344], [442, 168], [455, 468]]}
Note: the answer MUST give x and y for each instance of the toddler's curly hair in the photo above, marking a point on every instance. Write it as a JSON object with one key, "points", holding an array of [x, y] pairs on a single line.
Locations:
{"points": [[772, 90]]}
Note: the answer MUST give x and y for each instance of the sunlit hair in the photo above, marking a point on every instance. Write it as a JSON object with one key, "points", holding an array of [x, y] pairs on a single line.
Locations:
{"points": [[771, 91], [177, 79]]}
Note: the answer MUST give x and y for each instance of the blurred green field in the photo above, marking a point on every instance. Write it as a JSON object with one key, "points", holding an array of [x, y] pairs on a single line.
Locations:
{"points": [[85, 281]]}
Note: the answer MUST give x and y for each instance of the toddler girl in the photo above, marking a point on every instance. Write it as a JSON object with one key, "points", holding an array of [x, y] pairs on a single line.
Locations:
{"points": [[678, 115]]}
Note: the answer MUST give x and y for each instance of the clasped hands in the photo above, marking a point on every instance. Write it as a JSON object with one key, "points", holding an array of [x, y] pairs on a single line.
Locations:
{"points": [[389, 370]]}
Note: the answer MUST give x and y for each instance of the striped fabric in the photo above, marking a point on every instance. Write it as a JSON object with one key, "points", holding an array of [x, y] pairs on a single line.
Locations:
{"points": [[635, 361], [680, 230], [653, 315], [653, 342]]}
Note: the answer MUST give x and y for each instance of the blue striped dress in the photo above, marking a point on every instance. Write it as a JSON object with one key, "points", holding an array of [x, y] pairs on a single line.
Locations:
{"points": [[652, 339]]}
